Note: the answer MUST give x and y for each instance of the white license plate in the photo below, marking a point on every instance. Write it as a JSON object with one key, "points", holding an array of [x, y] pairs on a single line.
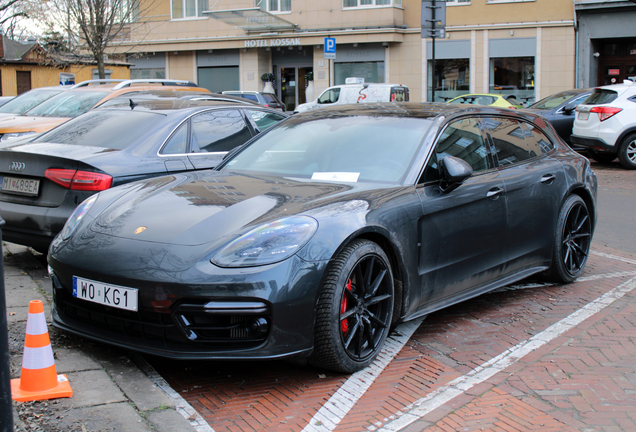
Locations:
{"points": [[105, 294], [584, 115], [19, 185]]}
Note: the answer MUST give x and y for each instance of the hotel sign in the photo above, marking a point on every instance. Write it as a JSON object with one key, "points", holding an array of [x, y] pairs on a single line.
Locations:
{"points": [[256, 43]]}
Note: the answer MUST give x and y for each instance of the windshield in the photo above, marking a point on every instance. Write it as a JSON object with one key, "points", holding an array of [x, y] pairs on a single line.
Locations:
{"points": [[552, 101], [356, 148], [28, 100], [68, 104], [108, 128]]}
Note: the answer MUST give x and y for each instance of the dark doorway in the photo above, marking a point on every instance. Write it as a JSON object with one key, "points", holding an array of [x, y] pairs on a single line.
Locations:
{"points": [[23, 79], [617, 61]]}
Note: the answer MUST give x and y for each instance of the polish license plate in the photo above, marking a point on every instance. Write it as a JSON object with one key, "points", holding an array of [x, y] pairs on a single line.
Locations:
{"points": [[584, 115], [105, 294], [19, 185]]}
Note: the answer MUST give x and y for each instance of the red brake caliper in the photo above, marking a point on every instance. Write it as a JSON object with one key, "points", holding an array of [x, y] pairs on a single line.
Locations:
{"points": [[344, 324]]}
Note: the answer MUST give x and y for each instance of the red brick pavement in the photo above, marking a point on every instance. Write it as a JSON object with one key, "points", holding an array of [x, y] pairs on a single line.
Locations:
{"points": [[582, 380]]}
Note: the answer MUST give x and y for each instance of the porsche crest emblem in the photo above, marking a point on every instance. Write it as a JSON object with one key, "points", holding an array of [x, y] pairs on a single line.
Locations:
{"points": [[140, 230]]}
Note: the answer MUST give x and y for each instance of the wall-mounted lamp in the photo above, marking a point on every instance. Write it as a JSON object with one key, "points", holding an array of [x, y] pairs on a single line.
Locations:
{"points": [[355, 45], [176, 53], [597, 54], [385, 44], [512, 32]]}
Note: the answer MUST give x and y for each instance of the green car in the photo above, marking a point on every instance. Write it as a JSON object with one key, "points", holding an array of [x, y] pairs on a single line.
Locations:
{"points": [[498, 100]]}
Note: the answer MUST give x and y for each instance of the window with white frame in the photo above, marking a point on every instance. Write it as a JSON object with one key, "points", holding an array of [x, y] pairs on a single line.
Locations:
{"points": [[274, 5], [507, 1], [188, 8], [456, 2], [370, 3]]}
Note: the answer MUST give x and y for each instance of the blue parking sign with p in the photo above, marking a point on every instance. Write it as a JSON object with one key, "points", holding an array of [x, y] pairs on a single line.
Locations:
{"points": [[330, 45]]}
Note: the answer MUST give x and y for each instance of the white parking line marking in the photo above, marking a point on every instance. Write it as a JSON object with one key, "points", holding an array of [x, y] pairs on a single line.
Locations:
{"points": [[480, 374], [338, 405], [181, 405], [615, 257]]}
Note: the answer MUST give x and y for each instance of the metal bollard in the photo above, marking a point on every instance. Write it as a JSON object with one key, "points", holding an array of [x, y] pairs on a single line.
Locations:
{"points": [[6, 403]]}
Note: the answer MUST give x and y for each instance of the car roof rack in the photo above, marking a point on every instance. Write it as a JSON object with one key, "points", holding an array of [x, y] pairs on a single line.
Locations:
{"points": [[95, 81], [128, 83]]}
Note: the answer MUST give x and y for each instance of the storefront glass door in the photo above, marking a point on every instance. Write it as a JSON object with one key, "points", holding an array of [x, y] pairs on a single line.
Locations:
{"points": [[288, 87]]}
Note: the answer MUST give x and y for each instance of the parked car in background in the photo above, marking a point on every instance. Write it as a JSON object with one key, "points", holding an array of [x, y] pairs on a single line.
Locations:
{"points": [[318, 236], [79, 99], [357, 93], [19, 105], [605, 124], [559, 109], [43, 180], [487, 99], [269, 100]]}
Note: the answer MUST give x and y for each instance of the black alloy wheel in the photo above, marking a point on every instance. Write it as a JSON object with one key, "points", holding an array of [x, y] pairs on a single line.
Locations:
{"points": [[627, 152], [354, 309], [572, 241]]}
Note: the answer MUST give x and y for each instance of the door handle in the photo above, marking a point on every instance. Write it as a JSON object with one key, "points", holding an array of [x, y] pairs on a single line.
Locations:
{"points": [[548, 178], [494, 193]]}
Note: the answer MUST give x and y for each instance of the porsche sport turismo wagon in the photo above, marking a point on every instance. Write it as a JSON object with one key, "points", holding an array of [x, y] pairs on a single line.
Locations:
{"points": [[322, 233]]}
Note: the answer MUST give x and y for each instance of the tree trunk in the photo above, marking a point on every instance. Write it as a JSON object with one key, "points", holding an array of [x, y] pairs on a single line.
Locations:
{"points": [[100, 66]]}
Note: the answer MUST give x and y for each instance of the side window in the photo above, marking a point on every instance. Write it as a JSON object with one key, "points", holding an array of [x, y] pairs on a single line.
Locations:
{"points": [[462, 139], [329, 96], [218, 131], [263, 119], [509, 144], [251, 97], [178, 142], [537, 142]]}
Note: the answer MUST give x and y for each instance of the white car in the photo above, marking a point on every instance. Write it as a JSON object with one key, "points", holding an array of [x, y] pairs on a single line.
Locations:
{"points": [[605, 124], [357, 93]]}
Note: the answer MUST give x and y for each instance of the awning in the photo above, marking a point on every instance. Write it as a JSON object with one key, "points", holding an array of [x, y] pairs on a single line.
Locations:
{"points": [[252, 20]]}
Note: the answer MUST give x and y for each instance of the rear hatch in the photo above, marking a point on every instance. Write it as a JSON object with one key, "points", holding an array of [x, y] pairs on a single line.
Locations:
{"points": [[589, 113]]}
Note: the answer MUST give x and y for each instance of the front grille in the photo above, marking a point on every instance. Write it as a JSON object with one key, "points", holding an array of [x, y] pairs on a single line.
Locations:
{"points": [[194, 325]]}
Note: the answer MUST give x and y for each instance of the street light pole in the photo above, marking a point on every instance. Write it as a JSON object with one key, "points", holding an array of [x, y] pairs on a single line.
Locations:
{"points": [[6, 403]]}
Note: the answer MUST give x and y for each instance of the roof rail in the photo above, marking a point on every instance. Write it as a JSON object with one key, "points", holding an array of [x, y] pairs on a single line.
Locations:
{"points": [[128, 83], [96, 81]]}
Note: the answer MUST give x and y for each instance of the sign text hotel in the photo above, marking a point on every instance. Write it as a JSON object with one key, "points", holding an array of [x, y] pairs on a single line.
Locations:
{"points": [[271, 42]]}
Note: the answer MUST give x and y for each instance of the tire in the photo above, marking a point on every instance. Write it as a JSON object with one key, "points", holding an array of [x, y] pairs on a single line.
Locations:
{"points": [[572, 241], [603, 158], [354, 308], [627, 152]]}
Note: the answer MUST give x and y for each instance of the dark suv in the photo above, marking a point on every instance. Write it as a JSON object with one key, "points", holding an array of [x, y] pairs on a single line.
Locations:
{"points": [[266, 99]]}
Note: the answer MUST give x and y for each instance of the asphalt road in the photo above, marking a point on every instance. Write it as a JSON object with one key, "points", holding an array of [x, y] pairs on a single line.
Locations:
{"points": [[616, 207]]}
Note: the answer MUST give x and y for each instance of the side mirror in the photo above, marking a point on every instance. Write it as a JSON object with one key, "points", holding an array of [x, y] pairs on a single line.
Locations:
{"points": [[454, 171], [569, 108]]}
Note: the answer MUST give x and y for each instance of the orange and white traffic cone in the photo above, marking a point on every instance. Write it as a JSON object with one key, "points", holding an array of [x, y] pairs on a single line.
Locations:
{"points": [[39, 379]]}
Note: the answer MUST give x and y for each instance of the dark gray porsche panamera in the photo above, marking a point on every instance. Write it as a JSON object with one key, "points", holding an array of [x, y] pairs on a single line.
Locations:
{"points": [[317, 237]]}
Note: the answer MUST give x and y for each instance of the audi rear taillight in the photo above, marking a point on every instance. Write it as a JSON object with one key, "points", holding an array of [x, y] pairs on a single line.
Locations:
{"points": [[605, 112], [79, 180]]}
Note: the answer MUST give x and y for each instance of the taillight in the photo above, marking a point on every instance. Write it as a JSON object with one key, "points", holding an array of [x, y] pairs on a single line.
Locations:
{"points": [[268, 106], [605, 112], [79, 180]]}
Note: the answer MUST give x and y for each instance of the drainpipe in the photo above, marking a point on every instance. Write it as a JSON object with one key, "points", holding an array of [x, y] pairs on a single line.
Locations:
{"points": [[577, 84]]}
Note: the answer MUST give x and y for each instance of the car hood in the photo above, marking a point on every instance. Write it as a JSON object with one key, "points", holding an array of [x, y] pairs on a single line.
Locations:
{"points": [[208, 206], [19, 124]]}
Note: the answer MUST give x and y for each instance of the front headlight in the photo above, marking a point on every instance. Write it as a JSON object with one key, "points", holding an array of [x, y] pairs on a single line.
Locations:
{"points": [[267, 244], [9, 136], [77, 216]]}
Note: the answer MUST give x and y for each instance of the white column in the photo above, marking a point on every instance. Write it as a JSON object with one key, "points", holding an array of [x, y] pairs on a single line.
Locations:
{"points": [[167, 65], [424, 71], [537, 67], [486, 66], [472, 63]]}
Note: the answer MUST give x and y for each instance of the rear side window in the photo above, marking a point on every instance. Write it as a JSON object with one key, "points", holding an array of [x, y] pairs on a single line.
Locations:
{"points": [[249, 97], [509, 143], [269, 97], [538, 143], [109, 129], [218, 131], [601, 96]]}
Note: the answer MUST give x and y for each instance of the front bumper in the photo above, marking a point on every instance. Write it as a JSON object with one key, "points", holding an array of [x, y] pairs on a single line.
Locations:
{"points": [[255, 313]]}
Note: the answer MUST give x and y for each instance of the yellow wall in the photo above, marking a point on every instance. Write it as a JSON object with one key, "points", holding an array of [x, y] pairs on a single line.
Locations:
{"points": [[43, 76], [483, 12]]}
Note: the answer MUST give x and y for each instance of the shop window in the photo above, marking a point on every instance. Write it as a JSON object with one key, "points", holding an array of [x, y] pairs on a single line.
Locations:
{"points": [[372, 72], [188, 8], [513, 75], [452, 78], [148, 73], [370, 3], [274, 5]]}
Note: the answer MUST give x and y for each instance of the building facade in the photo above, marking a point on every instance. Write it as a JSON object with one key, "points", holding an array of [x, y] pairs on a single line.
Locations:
{"points": [[524, 47], [606, 42]]}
